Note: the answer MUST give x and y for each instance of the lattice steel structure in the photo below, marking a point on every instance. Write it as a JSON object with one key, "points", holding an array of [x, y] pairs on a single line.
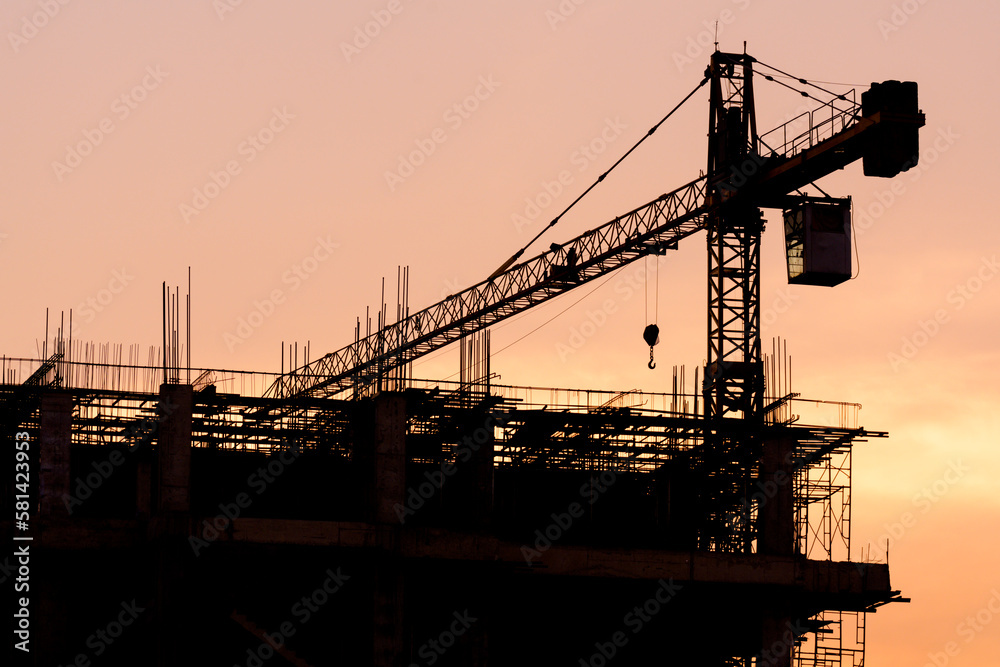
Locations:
{"points": [[745, 172], [636, 234], [734, 377]]}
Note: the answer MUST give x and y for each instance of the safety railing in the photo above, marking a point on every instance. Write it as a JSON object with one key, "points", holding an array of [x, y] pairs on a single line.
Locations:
{"points": [[789, 139]]}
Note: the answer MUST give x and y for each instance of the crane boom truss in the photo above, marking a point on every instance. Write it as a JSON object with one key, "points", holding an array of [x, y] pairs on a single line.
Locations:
{"points": [[600, 251]]}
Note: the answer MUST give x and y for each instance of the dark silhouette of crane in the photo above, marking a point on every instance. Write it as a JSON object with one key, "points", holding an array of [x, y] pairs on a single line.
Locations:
{"points": [[745, 172]]}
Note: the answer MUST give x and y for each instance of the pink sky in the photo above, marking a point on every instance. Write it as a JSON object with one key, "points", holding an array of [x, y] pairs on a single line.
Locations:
{"points": [[260, 108]]}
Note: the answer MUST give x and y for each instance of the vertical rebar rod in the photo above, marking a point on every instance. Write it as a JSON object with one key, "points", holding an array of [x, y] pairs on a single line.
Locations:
{"points": [[188, 319]]}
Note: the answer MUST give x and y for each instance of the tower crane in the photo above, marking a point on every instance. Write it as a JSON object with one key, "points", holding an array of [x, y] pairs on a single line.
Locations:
{"points": [[745, 172]]}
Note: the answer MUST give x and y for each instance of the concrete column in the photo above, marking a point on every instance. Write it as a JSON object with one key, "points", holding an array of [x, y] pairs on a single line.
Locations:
{"points": [[171, 608], [388, 618], [174, 448], [389, 474], [482, 461], [55, 426], [476, 644], [776, 518], [386, 466], [473, 481], [172, 523], [143, 489], [52, 613], [777, 641]]}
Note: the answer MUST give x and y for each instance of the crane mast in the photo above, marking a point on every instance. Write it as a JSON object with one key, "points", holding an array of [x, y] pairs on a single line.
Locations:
{"points": [[734, 376]]}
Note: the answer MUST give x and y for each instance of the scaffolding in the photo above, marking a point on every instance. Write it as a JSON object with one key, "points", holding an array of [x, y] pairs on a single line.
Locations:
{"points": [[634, 433]]}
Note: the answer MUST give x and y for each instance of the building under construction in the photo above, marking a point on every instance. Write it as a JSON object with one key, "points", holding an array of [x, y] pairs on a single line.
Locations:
{"points": [[344, 512]]}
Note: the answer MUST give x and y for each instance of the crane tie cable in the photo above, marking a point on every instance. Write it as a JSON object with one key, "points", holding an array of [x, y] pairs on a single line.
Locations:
{"points": [[600, 178], [805, 82]]}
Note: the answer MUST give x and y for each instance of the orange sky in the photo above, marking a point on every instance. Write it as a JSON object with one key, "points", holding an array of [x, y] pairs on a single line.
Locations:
{"points": [[251, 140]]}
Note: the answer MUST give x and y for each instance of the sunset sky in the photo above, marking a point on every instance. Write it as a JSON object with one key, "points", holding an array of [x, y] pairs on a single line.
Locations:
{"points": [[293, 153]]}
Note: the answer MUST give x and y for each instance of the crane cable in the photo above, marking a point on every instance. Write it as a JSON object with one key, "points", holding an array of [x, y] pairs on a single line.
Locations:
{"points": [[600, 178], [651, 334], [812, 82], [520, 252], [805, 82], [793, 88], [543, 324]]}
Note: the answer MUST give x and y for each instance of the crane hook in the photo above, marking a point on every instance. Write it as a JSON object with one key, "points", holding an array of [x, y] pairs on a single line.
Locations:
{"points": [[651, 334]]}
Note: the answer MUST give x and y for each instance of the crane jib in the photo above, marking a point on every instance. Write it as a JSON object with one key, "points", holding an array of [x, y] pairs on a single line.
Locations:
{"points": [[595, 253], [764, 177]]}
